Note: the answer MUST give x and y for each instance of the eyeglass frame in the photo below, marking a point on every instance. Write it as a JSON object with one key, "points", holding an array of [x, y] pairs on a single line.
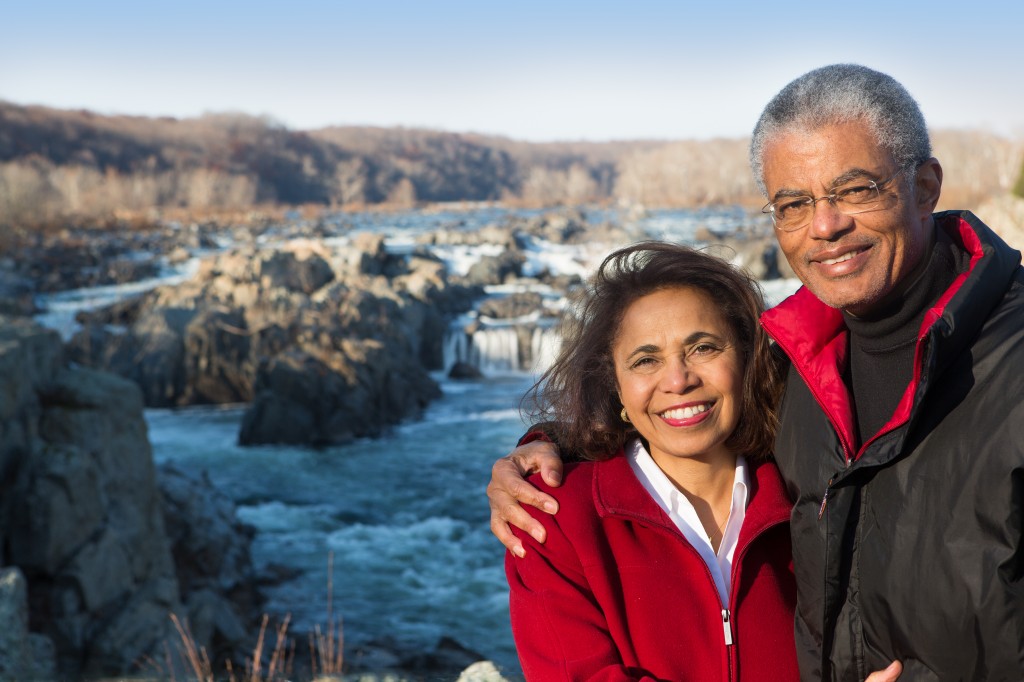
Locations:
{"points": [[832, 197]]}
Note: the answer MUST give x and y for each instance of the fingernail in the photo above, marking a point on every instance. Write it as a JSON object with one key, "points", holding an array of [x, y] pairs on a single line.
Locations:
{"points": [[550, 507], [538, 536], [519, 551]]}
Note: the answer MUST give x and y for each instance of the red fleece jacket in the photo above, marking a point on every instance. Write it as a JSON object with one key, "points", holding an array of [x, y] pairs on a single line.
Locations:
{"points": [[617, 593]]}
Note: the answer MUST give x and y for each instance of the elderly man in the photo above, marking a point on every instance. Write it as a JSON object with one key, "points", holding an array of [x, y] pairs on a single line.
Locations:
{"points": [[901, 434]]}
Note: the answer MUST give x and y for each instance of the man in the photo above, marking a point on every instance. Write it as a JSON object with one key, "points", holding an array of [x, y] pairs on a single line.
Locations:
{"points": [[901, 435]]}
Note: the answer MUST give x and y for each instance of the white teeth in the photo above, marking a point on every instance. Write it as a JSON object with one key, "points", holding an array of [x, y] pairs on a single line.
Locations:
{"points": [[840, 259], [686, 412]]}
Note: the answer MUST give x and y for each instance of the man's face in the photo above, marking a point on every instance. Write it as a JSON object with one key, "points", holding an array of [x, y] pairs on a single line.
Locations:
{"points": [[851, 262]]}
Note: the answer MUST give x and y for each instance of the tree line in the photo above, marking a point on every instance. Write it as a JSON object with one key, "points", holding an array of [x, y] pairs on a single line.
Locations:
{"points": [[55, 164]]}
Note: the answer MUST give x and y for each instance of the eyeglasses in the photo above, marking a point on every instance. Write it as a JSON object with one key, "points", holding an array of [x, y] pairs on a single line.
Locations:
{"points": [[793, 213]]}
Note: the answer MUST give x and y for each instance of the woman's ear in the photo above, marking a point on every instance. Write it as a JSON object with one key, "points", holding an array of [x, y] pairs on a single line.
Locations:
{"points": [[928, 186]]}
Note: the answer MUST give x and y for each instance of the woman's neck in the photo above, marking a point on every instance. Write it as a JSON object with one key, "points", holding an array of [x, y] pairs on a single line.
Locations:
{"points": [[707, 482]]}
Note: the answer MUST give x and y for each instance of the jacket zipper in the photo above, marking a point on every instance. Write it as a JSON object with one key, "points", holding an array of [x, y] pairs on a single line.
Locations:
{"points": [[726, 614], [824, 498]]}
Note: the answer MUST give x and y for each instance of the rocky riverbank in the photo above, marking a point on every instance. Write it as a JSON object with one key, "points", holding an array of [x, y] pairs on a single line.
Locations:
{"points": [[100, 546], [95, 530]]}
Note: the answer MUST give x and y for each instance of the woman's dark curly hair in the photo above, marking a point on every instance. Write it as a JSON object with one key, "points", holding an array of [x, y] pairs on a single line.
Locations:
{"points": [[578, 395]]}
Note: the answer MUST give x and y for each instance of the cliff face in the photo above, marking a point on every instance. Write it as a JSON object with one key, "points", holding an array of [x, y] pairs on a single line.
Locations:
{"points": [[82, 515]]}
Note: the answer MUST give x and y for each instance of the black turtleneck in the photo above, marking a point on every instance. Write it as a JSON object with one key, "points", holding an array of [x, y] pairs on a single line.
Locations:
{"points": [[882, 343]]}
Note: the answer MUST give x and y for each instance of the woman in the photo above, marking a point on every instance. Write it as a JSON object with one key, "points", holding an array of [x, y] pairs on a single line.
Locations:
{"points": [[670, 556]]}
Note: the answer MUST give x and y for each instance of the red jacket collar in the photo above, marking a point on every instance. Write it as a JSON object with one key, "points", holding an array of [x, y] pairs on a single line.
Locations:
{"points": [[617, 492]]}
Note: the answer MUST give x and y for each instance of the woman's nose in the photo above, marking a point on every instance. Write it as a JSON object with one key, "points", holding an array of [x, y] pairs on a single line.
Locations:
{"points": [[678, 376]]}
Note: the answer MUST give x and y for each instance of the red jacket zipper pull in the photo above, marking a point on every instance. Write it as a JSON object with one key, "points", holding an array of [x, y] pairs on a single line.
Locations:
{"points": [[726, 627]]}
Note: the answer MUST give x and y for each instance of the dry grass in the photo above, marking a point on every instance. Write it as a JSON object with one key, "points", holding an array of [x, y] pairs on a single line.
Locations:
{"points": [[326, 649]]}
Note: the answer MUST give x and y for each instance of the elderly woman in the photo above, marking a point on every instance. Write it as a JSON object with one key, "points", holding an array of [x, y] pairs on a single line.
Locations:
{"points": [[670, 556]]}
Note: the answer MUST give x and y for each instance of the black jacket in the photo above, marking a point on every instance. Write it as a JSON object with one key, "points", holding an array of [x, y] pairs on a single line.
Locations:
{"points": [[917, 554]]}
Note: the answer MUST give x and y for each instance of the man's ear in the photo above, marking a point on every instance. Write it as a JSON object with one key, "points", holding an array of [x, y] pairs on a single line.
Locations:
{"points": [[928, 186]]}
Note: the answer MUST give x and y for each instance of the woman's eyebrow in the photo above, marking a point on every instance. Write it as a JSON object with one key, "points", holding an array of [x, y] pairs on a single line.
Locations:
{"points": [[646, 348], [692, 338]]}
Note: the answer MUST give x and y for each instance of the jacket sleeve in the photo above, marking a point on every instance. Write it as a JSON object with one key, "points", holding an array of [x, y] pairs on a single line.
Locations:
{"points": [[559, 628]]}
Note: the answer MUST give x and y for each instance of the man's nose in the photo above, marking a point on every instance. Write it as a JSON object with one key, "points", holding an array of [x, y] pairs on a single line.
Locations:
{"points": [[827, 221]]}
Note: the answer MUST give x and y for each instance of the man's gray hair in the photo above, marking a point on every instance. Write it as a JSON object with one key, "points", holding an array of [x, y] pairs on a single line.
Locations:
{"points": [[841, 93]]}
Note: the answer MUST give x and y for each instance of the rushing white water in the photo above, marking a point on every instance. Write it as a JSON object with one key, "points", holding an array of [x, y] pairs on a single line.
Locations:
{"points": [[404, 515]]}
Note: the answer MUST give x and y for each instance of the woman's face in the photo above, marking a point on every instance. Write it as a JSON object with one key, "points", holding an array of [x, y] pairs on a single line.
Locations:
{"points": [[679, 374]]}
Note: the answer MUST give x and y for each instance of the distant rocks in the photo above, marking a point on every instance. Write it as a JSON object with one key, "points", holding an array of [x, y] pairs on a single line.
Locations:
{"points": [[464, 370], [496, 269], [326, 344], [17, 293], [519, 304]]}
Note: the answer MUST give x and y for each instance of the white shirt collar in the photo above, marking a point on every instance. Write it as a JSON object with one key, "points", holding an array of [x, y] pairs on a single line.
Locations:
{"points": [[682, 513]]}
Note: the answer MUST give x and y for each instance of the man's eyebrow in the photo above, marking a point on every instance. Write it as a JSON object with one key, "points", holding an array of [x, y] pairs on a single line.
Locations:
{"points": [[848, 176], [852, 174]]}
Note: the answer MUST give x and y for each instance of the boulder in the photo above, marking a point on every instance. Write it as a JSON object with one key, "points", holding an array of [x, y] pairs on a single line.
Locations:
{"points": [[491, 270], [464, 370], [761, 257], [83, 520], [17, 294], [481, 671], [212, 560], [303, 273], [515, 305], [151, 352], [359, 390], [23, 655]]}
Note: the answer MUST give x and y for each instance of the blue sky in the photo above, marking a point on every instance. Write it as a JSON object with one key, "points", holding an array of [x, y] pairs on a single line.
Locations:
{"points": [[532, 70]]}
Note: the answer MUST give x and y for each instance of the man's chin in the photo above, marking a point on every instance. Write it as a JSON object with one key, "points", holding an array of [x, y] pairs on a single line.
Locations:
{"points": [[846, 297]]}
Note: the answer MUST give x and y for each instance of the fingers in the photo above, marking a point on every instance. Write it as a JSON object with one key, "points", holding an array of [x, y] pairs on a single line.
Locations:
{"points": [[508, 487], [517, 516], [508, 490], [890, 674], [539, 456]]}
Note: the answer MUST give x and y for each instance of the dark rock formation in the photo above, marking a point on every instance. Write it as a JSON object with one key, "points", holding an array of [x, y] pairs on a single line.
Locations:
{"points": [[512, 306], [212, 560], [464, 370], [82, 516], [327, 345], [496, 269], [760, 256], [23, 655]]}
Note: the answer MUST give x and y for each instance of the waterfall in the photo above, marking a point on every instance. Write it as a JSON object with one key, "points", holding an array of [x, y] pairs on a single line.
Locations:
{"points": [[544, 346], [502, 349], [489, 349]]}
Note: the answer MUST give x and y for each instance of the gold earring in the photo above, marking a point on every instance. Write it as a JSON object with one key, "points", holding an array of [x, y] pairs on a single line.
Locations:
{"points": [[624, 416]]}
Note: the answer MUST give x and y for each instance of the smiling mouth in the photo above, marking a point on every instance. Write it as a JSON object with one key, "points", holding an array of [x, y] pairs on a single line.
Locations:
{"points": [[841, 258], [688, 412]]}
